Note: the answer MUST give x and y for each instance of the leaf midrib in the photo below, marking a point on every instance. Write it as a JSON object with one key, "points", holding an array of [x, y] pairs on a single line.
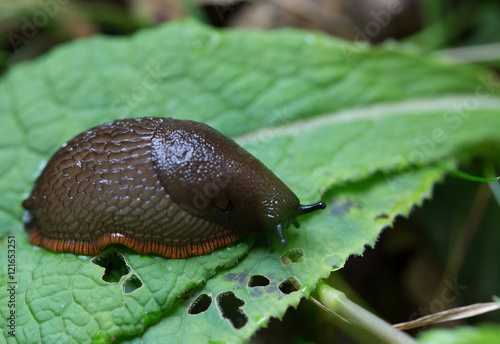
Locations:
{"points": [[374, 112]]}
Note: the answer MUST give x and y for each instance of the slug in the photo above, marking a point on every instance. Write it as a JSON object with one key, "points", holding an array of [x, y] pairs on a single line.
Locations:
{"points": [[169, 187]]}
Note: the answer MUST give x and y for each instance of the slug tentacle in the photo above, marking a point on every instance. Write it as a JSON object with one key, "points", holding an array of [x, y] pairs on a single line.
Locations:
{"points": [[306, 209], [281, 235], [292, 218]]}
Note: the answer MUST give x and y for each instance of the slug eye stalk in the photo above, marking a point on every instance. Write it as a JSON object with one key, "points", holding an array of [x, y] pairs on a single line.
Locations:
{"points": [[306, 209]]}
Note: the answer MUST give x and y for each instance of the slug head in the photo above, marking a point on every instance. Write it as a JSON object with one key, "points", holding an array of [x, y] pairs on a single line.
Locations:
{"points": [[212, 177]]}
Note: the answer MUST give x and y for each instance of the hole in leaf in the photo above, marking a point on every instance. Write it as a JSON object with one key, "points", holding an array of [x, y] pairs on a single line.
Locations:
{"points": [[289, 285], [200, 305], [132, 283], [293, 256], [114, 265], [258, 281], [229, 305]]}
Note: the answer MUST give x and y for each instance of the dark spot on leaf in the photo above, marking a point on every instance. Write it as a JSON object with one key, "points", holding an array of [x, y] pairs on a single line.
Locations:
{"points": [[132, 283], [341, 209], [229, 305], [292, 256], [200, 305], [289, 285], [114, 265], [188, 293], [239, 278], [258, 281], [256, 292], [382, 216]]}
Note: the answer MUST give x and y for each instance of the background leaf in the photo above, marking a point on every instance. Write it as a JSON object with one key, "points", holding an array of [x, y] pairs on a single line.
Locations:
{"points": [[485, 333], [359, 128]]}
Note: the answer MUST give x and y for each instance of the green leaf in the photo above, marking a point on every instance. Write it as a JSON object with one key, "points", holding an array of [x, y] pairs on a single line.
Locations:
{"points": [[484, 333], [361, 128], [63, 297]]}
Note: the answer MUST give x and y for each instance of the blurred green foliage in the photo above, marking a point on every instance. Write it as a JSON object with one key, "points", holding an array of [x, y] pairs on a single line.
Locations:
{"points": [[28, 28]]}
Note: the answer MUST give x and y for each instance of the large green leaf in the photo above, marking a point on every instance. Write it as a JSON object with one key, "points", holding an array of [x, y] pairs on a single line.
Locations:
{"points": [[358, 127]]}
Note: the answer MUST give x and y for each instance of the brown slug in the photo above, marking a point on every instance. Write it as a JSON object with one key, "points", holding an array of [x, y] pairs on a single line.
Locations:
{"points": [[174, 188]]}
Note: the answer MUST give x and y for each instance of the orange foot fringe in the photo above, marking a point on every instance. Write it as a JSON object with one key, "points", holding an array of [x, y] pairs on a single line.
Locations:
{"points": [[96, 246]]}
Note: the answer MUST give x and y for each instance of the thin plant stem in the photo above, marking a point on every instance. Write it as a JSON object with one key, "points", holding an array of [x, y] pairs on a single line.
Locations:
{"points": [[338, 304]]}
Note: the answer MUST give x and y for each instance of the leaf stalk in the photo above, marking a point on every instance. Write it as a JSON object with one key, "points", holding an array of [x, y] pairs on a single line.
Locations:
{"points": [[338, 303]]}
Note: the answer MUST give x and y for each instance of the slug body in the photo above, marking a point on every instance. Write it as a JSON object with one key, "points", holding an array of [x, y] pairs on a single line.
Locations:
{"points": [[170, 187]]}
